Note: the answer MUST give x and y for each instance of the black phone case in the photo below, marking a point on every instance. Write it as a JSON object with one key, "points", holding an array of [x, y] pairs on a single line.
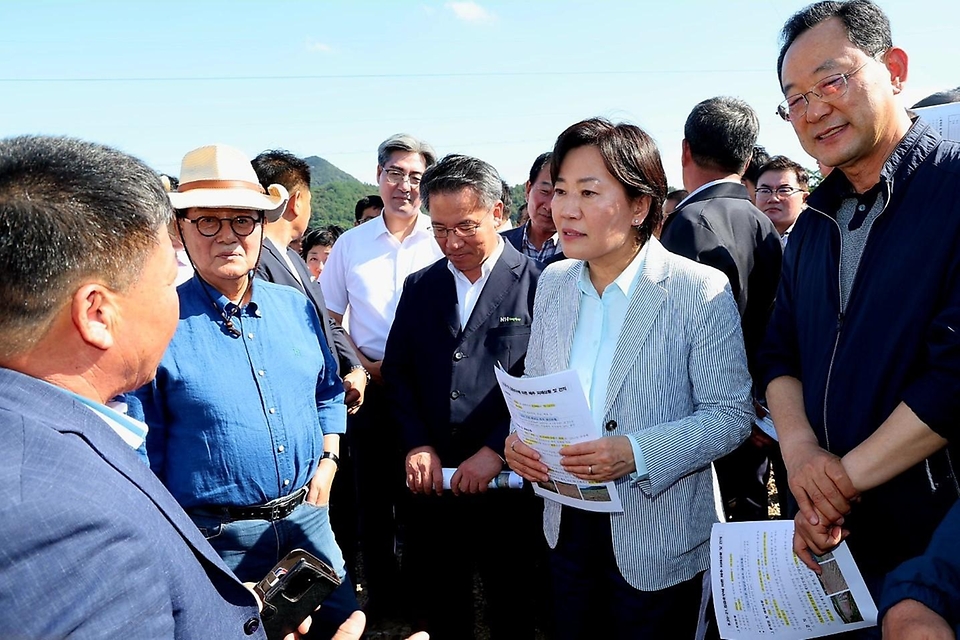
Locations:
{"points": [[293, 590]]}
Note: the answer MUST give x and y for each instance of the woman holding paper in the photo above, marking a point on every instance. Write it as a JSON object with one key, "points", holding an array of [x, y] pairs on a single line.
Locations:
{"points": [[656, 342]]}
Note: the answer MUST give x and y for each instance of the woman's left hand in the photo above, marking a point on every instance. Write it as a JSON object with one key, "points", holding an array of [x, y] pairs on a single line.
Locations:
{"points": [[601, 460]]}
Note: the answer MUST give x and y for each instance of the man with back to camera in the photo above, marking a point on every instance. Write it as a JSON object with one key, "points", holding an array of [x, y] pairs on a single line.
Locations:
{"points": [[860, 362], [280, 264], [537, 238], [457, 320], [365, 274], [718, 225]]}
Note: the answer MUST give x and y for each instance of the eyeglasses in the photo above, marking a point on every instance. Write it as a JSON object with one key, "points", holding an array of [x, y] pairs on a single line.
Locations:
{"points": [[827, 90], [462, 230], [783, 191], [209, 226], [395, 176]]}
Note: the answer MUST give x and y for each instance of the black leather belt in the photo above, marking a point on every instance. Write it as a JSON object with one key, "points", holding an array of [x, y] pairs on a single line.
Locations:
{"points": [[274, 510]]}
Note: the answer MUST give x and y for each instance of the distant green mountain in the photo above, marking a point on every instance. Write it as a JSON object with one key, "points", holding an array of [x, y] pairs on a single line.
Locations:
{"points": [[323, 172], [335, 194]]}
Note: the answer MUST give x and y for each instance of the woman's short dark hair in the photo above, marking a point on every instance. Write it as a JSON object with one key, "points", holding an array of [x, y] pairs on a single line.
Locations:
{"points": [[320, 237], [629, 154]]}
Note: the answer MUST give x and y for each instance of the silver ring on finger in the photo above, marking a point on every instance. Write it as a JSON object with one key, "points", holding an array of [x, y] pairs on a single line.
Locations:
{"points": [[590, 470]]}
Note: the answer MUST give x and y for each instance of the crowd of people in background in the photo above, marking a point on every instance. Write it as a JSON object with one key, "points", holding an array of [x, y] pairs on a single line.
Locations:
{"points": [[334, 390]]}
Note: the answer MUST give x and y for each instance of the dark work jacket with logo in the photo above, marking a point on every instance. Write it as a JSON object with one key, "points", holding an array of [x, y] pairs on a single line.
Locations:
{"points": [[440, 378]]}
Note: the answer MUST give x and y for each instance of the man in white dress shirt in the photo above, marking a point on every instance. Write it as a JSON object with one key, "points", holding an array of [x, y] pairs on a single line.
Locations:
{"points": [[365, 274]]}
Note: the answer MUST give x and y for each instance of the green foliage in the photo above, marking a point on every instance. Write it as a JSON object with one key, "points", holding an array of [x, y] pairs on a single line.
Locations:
{"points": [[333, 203], [517, 197]]}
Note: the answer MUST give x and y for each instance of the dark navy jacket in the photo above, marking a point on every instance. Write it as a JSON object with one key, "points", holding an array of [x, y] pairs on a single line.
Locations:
{"points": [[898, 340], [720, 227], [440, 380], [933, 578]]}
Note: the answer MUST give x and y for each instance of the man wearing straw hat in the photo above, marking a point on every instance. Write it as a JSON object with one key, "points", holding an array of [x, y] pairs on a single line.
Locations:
{"points": [[246, 411]]}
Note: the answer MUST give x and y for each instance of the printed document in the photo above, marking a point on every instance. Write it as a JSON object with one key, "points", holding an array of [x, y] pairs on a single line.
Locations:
{"points": [[762, 590], [548, 413]]}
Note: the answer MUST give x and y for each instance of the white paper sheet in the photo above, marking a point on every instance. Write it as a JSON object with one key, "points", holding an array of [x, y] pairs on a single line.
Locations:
{"points": [[944, 118], [548, 413], [762, 590]]}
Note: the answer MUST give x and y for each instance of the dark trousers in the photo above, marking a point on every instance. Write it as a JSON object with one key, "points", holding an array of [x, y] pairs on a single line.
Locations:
{"points": [[343, 508], [496, 534], [379, 481], [743, 475], [593, 600]]}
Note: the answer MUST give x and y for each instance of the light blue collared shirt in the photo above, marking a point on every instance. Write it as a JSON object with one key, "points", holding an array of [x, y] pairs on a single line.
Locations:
{"points": [[595, 340], [122, 414], [239, 419]]}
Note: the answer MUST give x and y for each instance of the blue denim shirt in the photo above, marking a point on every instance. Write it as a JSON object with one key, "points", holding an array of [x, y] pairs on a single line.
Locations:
{"points": [[238, 421]]}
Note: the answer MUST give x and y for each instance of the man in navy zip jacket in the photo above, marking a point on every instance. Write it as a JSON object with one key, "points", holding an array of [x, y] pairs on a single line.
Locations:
{"points": [[921, 598], [862, 357]]}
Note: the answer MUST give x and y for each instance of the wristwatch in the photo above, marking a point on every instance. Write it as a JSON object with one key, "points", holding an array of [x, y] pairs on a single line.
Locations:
{"points": [[330, 455], [362, 368]]}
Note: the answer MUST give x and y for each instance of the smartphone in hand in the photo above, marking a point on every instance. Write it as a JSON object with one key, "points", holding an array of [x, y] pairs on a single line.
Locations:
{"points": [[293, 590]]}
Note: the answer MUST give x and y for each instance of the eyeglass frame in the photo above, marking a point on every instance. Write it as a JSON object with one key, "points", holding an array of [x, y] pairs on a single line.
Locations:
{"points": [[461, 232], [767, 192], [231, 221], [783, 109], [399, 177]]}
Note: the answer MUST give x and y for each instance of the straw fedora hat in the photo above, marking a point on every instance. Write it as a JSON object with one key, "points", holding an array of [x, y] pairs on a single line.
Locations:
{"points": [[221, 176]]}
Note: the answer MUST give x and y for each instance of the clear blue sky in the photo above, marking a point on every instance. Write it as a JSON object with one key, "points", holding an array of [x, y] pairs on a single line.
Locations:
{"points": [[498, 80]]}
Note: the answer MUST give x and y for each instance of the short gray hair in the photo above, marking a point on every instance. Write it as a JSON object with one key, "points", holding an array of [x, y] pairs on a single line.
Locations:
{"points": [[721, 133], [69, 210], [455, 172], [405, 142]]}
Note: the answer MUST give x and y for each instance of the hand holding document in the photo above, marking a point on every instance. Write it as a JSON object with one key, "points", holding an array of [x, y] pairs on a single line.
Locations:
{"points": [[550, 412], [762, 590]]}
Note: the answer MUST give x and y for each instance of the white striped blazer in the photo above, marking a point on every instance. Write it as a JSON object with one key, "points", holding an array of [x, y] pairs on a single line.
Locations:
{"points": [[679, 385]]}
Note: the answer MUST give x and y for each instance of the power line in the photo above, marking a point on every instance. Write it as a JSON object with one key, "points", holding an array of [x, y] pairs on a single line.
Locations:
{"points": [[376, 76]]}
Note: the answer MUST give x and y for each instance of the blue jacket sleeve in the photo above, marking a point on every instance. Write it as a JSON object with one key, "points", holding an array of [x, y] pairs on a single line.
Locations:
{"points": [[932, 579], [330, 408]]}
